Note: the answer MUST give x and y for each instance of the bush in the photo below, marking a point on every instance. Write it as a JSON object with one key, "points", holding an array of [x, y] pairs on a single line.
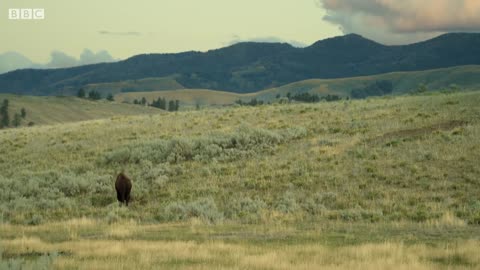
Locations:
{"points": [[50, 190], [116, 213], [245, 209], [35, 220], [327, 199], [243, 143], [287, 203], [204, 209], [313, 207]]}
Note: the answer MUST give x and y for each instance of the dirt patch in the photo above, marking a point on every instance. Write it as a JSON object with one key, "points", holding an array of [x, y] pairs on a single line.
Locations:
{"points": [[417, 132]]}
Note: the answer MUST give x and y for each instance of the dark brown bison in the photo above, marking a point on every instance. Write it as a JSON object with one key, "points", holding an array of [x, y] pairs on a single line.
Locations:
{"points": [[123, 185]]}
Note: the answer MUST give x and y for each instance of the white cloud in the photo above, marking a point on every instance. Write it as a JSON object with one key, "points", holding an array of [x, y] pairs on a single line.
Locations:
{"points": [[61, 60], [13, 60], [395, 21]]}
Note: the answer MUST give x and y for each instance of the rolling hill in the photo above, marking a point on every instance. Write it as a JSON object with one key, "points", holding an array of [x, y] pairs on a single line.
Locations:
{"points": [[187, 97], [141, 85], [250, 67], [325, 162], [55, 110], [463, 77]]}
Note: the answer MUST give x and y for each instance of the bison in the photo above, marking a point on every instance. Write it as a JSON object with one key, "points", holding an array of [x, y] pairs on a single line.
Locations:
{"points": [[123, 185]]}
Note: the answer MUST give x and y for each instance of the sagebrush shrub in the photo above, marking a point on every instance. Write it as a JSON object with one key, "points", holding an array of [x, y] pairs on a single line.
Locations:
{"points": [[245, 209], [244, 142], [204, 209]]}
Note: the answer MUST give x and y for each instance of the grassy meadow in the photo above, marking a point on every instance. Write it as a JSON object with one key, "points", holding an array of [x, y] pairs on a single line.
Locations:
{"points": [[43, 110], [381, 183]]}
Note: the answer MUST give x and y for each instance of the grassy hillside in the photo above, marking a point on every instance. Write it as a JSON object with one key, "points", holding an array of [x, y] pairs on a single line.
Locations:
{"points": [[188, 97], [382, 182], [147, 84], [343, 160], [463, 77], [53, 110]]}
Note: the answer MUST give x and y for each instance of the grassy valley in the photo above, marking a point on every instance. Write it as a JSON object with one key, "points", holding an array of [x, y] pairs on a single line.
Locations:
{"points": [[57, 110], [381, 182], [456, 78]]}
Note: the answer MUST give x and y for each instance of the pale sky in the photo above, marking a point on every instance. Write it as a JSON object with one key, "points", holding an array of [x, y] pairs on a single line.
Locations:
{"points": [[127, 28]]}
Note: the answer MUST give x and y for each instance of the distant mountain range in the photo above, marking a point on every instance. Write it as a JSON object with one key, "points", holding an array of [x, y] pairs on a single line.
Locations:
{"points": [[250, 67], [12, 60]]}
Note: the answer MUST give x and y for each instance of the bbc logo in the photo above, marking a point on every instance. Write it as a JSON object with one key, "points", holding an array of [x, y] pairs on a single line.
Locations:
{"points": [[26, 14]]}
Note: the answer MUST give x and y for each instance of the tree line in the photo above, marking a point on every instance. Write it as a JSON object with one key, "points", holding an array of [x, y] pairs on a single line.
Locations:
{"points": [[93, 95], [301, 97], [161, 103], [18, 117]]}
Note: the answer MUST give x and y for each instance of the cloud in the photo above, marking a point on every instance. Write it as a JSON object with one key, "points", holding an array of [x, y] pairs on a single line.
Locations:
{"points": [[89, 57], [268, 39], [60, 60], [394, 21], [132, 33], [13, 60]]}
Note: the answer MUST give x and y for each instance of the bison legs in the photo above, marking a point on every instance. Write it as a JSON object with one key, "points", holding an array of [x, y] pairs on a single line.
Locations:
{"points": [[127, 199], [122, 198]]}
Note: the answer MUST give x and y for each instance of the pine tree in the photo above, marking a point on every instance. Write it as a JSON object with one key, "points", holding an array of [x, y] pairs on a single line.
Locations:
{"points": [[177, 104], [17, 120], [23, 112], [110, 97], [95, 95], [81, 93], [163, 104], [171, 106], [144, 101], [4, 117]]}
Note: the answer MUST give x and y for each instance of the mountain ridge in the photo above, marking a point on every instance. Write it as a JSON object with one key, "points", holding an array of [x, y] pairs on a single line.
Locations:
{"points": [[253, 66]]}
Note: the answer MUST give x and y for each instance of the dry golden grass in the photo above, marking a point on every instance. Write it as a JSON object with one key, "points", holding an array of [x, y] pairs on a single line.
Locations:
{"points": [[118, 246], [140, 254], [448, 219]]}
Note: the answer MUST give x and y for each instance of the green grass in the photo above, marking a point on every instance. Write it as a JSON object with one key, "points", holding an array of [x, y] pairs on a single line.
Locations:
{"points": [[57, 110], [350, 161], [381, 182]]}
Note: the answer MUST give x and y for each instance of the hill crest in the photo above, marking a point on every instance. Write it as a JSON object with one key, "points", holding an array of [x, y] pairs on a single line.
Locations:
{"points": [[253, 66]]}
